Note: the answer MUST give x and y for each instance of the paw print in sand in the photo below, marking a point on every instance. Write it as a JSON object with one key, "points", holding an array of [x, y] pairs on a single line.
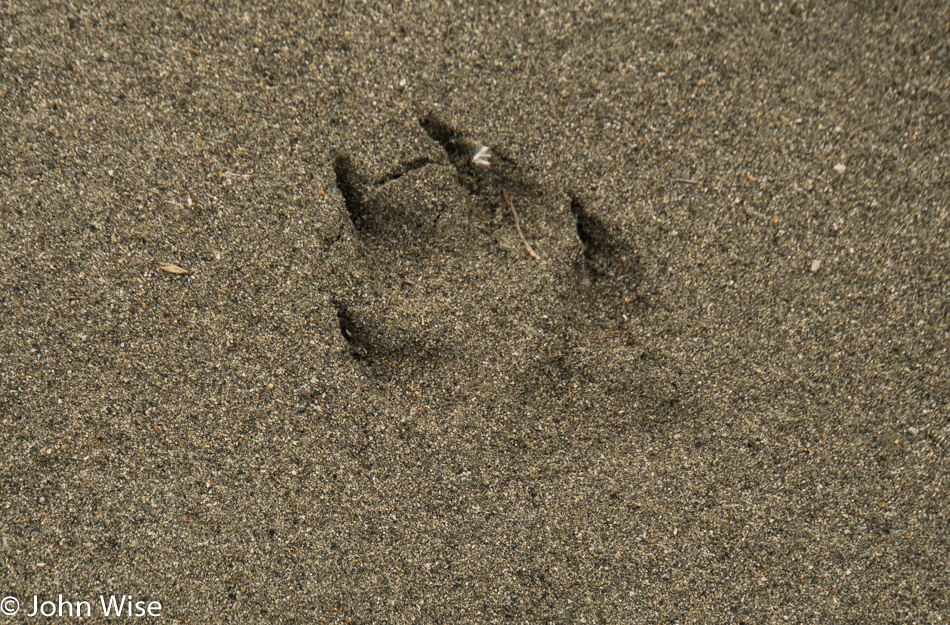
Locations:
{"points": [[463, 264]]}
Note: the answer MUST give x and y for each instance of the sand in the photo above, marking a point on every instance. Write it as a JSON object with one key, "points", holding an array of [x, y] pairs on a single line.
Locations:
{"points": [[718, 394]]}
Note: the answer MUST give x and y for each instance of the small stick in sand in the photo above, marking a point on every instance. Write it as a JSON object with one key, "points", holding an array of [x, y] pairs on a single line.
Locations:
{"points": [[518, 225]]}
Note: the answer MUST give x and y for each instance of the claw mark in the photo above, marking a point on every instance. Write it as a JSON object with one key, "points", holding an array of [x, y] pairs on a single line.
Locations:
{"points": [[590, 230], [483, 171], [351, 186], [461, 150], [404, 169], [370, 215], [443, 134], [361, 346], [347, 326], [605, 254]]}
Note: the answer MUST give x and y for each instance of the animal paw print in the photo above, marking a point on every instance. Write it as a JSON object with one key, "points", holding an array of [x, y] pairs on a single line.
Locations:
{"points": [[462, 264]]}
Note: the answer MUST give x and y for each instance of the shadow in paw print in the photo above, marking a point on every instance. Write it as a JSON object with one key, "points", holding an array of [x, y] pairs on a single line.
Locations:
{"points": [[487, 182], [372, 340], [610, 262], [393, 209], [442, 267], [359, 337], [351, 186]]}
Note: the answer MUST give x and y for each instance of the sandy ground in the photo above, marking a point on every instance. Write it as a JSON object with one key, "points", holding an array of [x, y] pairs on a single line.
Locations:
{"points": [[719, 394]]}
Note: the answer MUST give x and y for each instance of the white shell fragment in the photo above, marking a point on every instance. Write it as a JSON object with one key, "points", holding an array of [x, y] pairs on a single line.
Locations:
{"points": [[481, 156]]}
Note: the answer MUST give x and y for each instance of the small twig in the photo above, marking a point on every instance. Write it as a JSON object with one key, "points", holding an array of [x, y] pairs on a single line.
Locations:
{"points": [[518, 225], [685, 181]]}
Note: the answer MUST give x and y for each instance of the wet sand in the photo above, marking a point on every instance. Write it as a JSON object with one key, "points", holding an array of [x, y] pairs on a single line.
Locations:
{"points": [[275, 350]]}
